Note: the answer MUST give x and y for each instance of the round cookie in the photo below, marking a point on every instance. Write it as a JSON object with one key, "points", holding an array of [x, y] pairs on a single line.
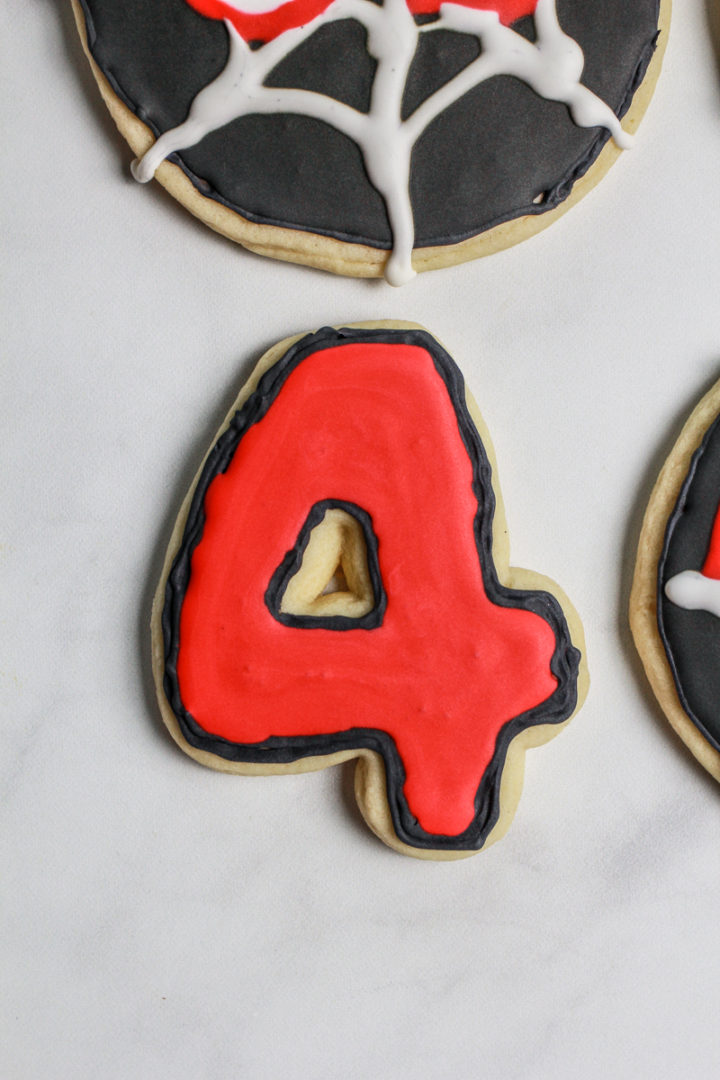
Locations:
{"points": [[370, 138], [675, 599], [337, 586]]}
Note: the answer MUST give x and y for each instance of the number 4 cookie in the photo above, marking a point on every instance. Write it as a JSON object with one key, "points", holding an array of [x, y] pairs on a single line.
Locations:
{"points": [[337, 587]]}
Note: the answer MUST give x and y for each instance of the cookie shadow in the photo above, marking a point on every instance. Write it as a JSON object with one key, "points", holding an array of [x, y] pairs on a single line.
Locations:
{"points": [[632, 536]]}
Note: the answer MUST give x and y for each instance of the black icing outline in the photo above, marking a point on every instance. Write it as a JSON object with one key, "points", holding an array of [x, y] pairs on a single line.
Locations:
{"points": [[678, 511], [292, 562], [282, 750]]}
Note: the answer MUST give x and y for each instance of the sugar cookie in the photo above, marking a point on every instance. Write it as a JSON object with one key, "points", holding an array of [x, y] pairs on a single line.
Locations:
{"points": [[370, 138], [675, 600], [337, 587]]}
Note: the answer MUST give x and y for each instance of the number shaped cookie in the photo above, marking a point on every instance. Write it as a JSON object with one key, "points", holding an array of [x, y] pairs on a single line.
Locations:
{"points": [[675, 600], [337, 587]]}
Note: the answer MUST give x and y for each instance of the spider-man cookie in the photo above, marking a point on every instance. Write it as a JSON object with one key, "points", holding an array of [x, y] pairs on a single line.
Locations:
{"points": [[675, 601], [367, 137], [337, 587]]}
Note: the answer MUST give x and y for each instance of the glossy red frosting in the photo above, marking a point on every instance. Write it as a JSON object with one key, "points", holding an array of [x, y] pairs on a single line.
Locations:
{"points": [[508, 10], [264, 26], [711, 566], [372, 424]]}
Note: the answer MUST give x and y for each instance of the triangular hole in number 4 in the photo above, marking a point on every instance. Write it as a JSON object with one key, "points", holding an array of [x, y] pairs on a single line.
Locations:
{"points": [[331, 577]]}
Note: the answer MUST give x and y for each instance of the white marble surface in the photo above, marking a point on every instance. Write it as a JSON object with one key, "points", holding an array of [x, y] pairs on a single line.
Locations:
{"points": [[162, 921]]}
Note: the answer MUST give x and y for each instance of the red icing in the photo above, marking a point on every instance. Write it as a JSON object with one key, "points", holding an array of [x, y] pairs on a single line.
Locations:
{"points": [[267, 25], [711, 566], [370, 424], [508, 10], [263, 26]]}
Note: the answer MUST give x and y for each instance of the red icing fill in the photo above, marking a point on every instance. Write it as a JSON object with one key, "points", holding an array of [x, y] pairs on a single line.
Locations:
{"points": [[370, 424], [711, 566], [508, 10], [263, 26]]}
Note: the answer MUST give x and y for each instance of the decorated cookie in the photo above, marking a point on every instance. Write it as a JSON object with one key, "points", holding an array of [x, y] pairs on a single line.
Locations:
{"points": [[369, 138], [337, 587], [675, 601]]}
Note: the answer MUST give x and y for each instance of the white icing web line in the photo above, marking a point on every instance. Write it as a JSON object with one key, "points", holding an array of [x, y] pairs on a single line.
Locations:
{"points": [[693, 591], [552, 67]]}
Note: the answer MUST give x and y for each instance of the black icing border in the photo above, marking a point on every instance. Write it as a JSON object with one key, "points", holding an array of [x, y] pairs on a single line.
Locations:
{"points": [[292, 561], [279, 750], [662, 602]]}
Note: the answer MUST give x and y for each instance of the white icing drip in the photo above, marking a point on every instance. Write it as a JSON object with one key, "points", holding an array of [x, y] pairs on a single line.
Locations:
{"points": [[694, 592], [552, 67], [386, 143]]}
